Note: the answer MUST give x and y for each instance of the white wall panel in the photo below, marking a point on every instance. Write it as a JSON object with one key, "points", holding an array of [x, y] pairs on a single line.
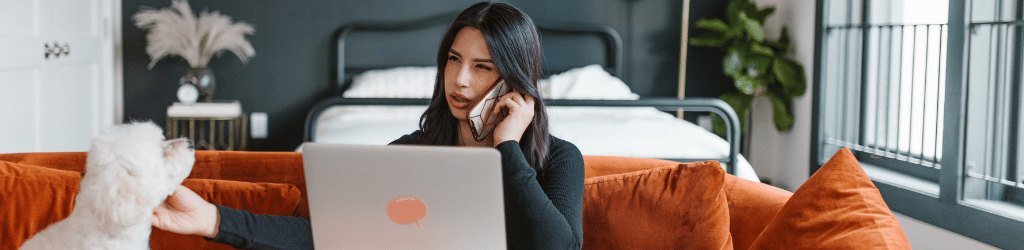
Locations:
{"points": [[18, 96], [67, 116], [19, 17]]}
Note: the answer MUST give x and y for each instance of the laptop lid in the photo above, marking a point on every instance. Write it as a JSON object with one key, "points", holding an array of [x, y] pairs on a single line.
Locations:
{"points": [[404, 197]]}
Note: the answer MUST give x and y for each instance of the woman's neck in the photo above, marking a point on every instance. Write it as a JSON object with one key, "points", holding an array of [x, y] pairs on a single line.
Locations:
{"points": [[466, 137]]}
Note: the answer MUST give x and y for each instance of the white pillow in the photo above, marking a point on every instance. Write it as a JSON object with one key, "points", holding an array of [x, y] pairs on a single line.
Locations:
{"points": [[590, 82], [401, 82]]}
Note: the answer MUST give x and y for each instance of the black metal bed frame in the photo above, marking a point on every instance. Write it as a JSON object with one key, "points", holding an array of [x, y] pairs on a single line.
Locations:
{"points": [[613, 64]]}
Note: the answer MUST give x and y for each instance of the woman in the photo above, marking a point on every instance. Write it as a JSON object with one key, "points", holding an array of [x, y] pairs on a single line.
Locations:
{"points": [[542, 175]]}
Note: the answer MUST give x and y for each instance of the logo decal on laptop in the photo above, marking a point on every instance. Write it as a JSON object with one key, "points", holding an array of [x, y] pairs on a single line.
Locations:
{"points": [[407, 209]]}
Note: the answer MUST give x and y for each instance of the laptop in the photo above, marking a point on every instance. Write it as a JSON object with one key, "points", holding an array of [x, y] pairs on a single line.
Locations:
{"points": [[404, 197]]}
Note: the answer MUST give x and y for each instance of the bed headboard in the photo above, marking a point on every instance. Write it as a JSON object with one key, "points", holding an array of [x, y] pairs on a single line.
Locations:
{"points": [[368, 45]]}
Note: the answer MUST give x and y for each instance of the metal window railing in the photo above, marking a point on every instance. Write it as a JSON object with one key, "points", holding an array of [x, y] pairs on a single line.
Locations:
{"points": [[883, 92], [992, 169], [973, 185], [883, 96]]}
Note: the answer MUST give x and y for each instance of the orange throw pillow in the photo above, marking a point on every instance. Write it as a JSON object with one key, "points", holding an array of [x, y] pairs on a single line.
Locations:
{"points": [[258, 198], [837, 208], [32, 198], [681, 206]]}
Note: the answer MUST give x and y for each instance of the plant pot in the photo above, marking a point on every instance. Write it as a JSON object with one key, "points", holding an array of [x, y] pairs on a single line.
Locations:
{"points": [[204, 81]]}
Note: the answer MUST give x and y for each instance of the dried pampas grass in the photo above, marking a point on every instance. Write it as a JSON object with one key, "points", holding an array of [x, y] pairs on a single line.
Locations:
{"points": [[176, 31]]}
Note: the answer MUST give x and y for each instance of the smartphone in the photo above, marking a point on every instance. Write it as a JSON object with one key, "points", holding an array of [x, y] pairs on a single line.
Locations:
{"points": [[482, 119]]}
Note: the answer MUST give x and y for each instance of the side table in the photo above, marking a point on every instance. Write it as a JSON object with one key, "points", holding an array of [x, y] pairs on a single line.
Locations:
{"points": [[208, 130]]}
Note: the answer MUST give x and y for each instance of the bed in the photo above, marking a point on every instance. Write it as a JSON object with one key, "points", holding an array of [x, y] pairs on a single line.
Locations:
{"points": [[384, 71]]}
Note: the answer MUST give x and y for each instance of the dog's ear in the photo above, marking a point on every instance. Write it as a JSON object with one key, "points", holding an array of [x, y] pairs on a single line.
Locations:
{"points": [[119, 199], [128, 209], [179, 157]]}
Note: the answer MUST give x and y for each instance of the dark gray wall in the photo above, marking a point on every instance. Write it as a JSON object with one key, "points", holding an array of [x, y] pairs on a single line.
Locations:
{"points": [[704, 76], [291, 70]]}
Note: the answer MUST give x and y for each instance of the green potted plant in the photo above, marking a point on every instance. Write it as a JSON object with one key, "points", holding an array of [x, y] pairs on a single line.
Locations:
{"points": [[757, 65]]}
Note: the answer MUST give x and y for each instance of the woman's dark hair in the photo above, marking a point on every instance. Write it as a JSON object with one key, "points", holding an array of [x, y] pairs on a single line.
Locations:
{"points": [[514, 44]]}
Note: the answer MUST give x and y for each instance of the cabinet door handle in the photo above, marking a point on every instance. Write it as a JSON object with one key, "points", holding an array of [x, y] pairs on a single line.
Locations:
{"points": [[56, 50], [47, 51]]}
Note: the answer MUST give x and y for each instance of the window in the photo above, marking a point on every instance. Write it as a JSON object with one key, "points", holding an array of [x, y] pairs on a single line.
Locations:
{"points": [[928, 95]]}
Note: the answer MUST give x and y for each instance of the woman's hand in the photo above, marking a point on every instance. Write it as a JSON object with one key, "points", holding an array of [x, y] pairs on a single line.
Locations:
{"points": [[520, 115], [184, 212]]}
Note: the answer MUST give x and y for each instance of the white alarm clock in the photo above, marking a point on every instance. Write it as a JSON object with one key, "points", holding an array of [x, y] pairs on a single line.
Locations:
{"points": [[188, 94]]}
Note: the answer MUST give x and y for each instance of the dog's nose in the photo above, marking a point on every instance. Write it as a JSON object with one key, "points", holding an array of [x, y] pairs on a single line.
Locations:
{"points": [[191, 145]]}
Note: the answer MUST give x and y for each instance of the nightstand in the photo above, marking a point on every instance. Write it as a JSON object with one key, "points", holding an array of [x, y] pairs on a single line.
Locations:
{"points": [[210, 126]]}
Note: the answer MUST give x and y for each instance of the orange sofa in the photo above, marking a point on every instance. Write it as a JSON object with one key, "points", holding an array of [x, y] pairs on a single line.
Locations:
{"points": [[629, 203]]}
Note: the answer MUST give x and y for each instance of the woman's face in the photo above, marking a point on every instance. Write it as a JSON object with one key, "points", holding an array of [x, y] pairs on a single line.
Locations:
{"points": [[469, 72]]}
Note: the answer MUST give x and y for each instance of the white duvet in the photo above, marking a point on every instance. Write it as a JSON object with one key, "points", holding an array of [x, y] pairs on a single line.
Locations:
{"points": [[630, 132]]}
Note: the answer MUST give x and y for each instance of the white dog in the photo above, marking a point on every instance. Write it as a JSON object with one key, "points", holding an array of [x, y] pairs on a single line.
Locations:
{"points": [[130, 170]]}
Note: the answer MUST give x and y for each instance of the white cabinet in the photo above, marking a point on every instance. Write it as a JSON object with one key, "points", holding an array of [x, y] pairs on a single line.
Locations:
{"points": [[56, 73]]}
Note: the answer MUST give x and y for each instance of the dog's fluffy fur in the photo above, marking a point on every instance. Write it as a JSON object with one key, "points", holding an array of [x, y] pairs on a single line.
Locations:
{"points": [[130, 170]]}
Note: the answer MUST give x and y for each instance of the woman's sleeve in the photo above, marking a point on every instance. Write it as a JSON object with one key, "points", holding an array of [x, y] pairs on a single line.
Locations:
{"points": [[244, 230], [548, 215]]}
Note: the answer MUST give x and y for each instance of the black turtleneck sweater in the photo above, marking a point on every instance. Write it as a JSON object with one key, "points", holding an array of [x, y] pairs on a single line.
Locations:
{"points": [[541, 211]]}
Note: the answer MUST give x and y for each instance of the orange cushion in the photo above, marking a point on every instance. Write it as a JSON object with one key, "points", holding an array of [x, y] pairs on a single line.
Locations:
{"points": [[272, 167], [258, 198], [71, 161], [607, 165], [837, 208], [32, 198], [39, 196], [681, 206], [752, 206]]}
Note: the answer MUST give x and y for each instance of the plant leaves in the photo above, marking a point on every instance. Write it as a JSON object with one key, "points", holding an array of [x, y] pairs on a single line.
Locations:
{"points": [[733, 33], [708, 39], [784, 38], [732, 13], [716, 25], [718, 125], [747, 84], [791, 75], [758, 64], [752, 27], [761, 50], [761, 15], [746, 6], [778, 47], [706, 42], [739, 103], [735, 61], [782, 113]]}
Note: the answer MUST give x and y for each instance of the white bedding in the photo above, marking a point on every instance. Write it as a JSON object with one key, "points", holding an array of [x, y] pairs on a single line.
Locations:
{"points": [[631, 132]]}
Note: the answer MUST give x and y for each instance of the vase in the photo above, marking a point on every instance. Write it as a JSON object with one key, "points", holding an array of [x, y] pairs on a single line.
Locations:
{"points": [[204, 81]]}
